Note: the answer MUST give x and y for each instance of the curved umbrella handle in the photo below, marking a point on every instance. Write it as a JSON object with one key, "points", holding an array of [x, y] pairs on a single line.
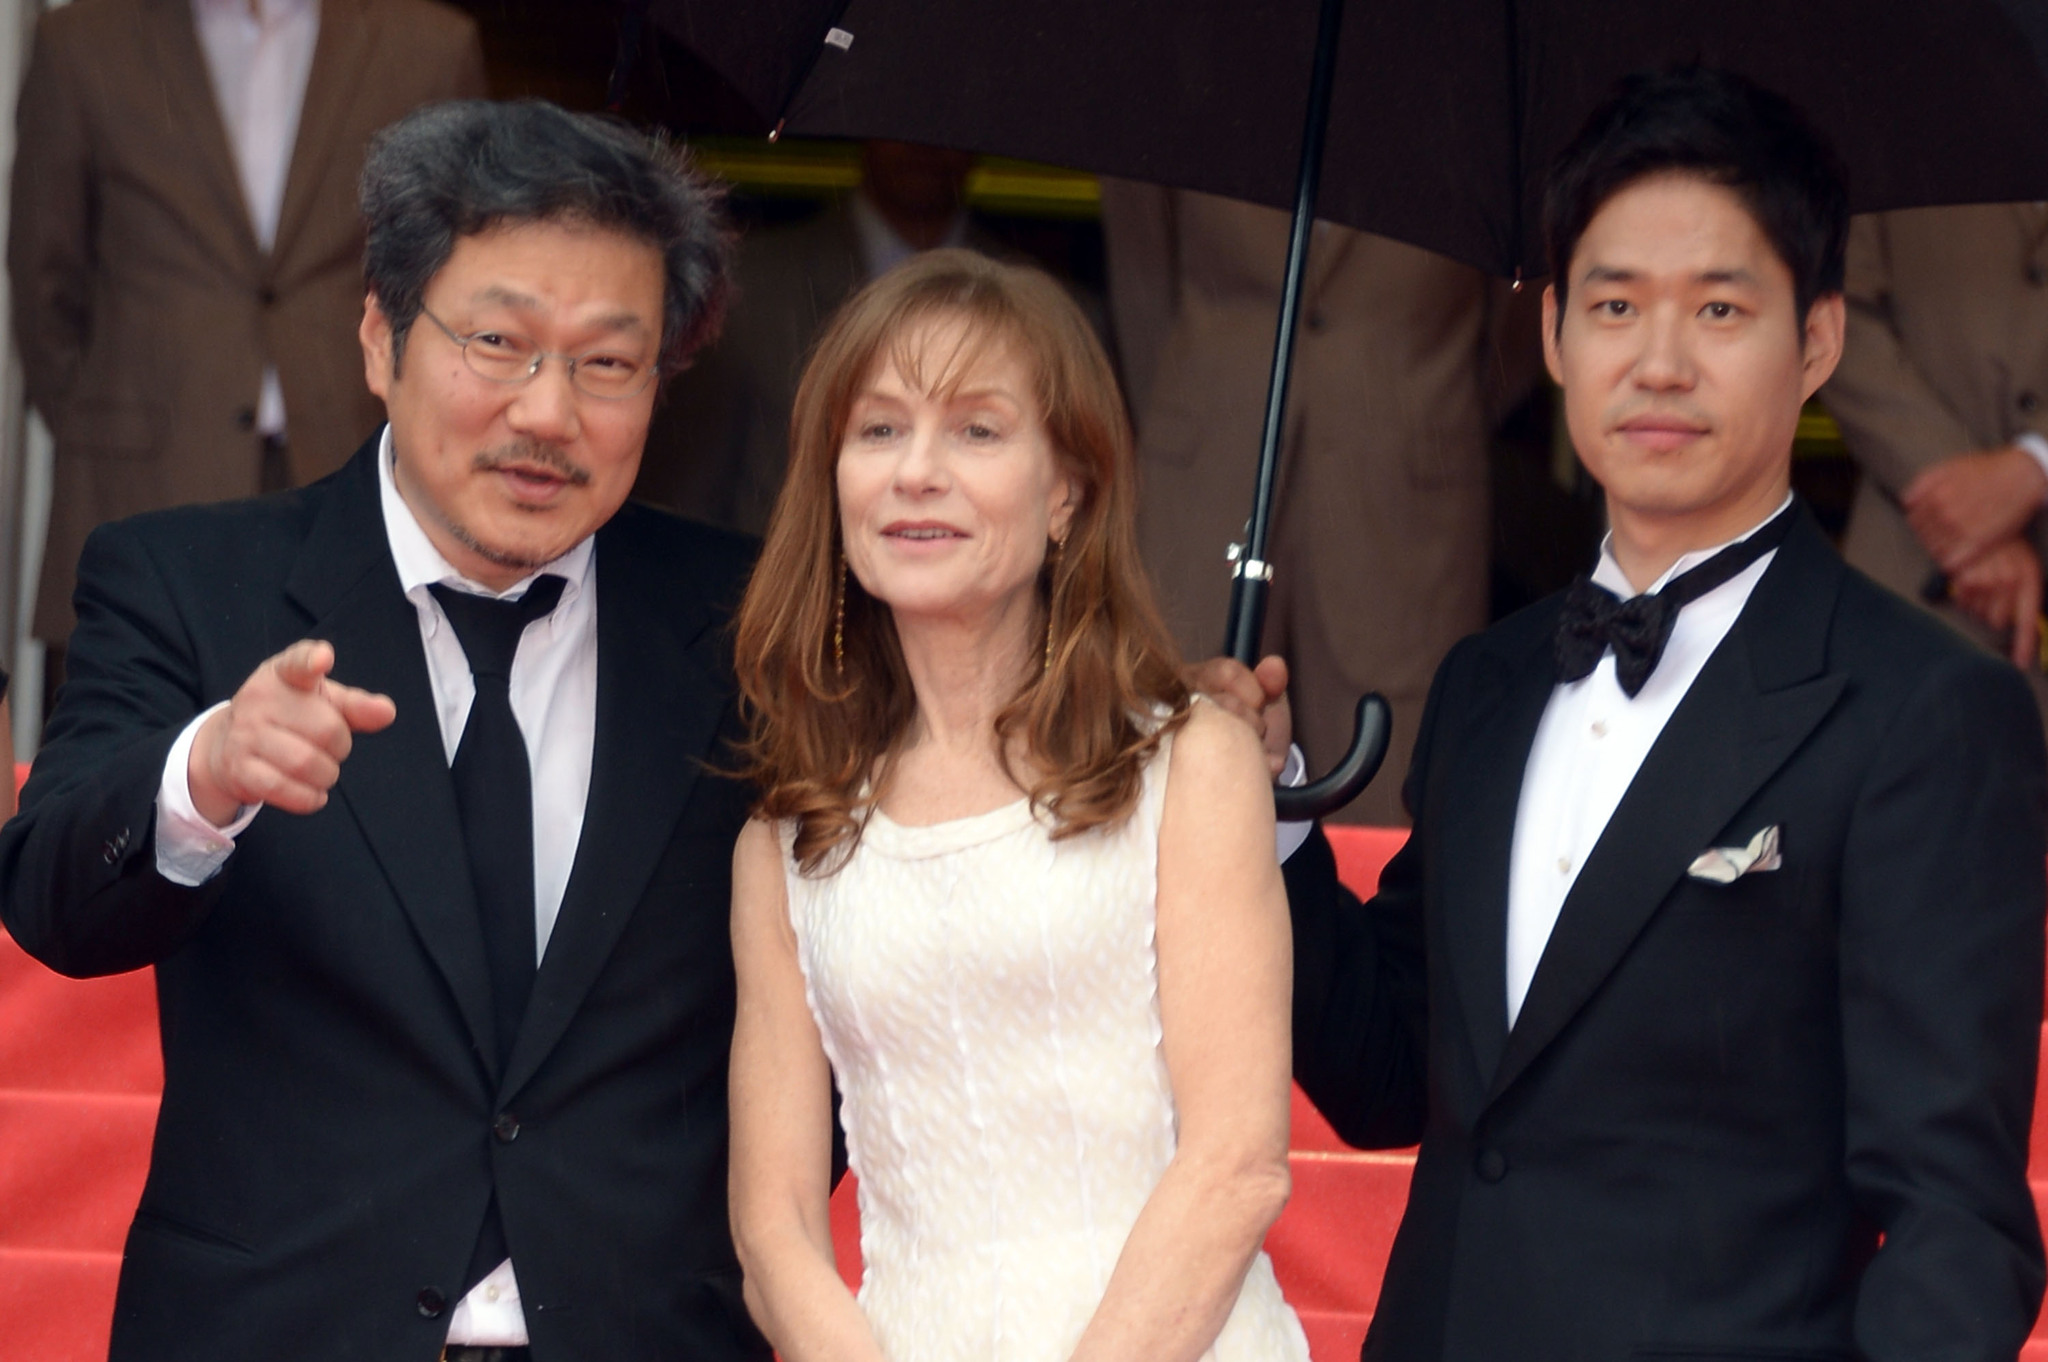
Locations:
{"points": [[1369, 734]]}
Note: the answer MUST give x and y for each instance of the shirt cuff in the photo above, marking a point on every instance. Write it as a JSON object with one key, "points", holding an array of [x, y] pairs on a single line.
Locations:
{"points": [[189, 850], [2035, 446], [1290, 836]]}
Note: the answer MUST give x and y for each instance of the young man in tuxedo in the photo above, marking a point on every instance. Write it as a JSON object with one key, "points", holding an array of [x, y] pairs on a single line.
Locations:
{"points": [[1727, 865], [402, 783]]}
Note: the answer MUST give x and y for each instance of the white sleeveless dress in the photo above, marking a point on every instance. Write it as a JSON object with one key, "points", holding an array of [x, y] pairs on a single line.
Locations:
{"points": [[989, 1001]]}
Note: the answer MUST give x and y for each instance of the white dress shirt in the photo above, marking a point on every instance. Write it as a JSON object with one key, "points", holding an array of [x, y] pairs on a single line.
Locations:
{"points": [[554, 698], [1589, 745], [259, 54]]}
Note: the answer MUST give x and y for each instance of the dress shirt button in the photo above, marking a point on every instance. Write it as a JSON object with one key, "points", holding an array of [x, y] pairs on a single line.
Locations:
{"points": [[431, 1302], [506, 1128], [2029, 403], [1599, 728], [1491, 1165], [491, 1293], [1564, 865]]}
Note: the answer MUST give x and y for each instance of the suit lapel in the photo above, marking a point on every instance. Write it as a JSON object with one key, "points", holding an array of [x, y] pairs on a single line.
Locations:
{"points": [[1479, 837], [395, 783], [181, 67], [341, 56], [1751, 707], [659, 704]]}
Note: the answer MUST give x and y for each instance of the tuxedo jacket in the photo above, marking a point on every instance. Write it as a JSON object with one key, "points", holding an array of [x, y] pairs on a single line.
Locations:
{"points": [[144, 306], [334, 1119], [1784, 1117]]}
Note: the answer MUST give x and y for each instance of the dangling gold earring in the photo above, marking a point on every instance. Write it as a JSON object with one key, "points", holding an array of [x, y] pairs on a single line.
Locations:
{"points": [[839, 623], [1059, 547]]}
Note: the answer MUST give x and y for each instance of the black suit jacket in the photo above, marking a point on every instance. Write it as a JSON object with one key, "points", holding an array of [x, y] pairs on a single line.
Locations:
{"points": [[1785, 1117], [333, 1121]]}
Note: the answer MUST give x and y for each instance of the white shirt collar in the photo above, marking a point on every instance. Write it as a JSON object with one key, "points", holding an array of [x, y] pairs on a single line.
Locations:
{"points": [[1609, 574], [421, 565]]}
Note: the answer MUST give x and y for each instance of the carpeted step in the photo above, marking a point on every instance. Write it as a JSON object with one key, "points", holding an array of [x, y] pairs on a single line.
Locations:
{"points": [[1331, 1243], [71, 1168], [76, 1035], [56, 1307]]}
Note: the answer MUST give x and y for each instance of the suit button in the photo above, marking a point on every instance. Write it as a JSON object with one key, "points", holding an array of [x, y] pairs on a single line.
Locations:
{"points": [[111, 849], [246, 418], [431, 1302], [1491, 1165], [2029, 403], [506, 1128]]}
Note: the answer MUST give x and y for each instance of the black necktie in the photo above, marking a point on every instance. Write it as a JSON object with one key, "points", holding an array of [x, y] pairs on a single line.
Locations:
{"points": [[494, 797], [494, 791], [1595, 619]]}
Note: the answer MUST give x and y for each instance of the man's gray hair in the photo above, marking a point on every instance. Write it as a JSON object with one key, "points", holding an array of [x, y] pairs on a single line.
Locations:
{"points": [[457, 168]]}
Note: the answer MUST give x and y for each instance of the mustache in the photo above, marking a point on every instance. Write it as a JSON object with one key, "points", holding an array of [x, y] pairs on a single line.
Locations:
{"points": [[531, 454]]}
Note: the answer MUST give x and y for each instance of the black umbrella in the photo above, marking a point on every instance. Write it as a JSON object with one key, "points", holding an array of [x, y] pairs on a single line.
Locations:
{"points": [[1430, 121]]}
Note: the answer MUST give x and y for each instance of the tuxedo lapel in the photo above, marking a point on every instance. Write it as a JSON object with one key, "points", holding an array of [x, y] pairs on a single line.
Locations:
{"points": [[1759, 696], [181, 68], [1479, 836], [341, 56], [395, 783], [659, 704]]}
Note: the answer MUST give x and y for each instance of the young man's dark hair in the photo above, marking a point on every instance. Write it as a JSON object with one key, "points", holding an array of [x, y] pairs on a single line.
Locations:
{"points": [[1726, 129], [464, 166]]}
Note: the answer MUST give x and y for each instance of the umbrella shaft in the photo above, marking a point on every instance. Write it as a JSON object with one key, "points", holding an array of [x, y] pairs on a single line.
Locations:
{"points": [[1247, 596]]}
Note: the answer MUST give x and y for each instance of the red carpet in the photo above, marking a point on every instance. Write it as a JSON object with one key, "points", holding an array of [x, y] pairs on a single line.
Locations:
{"points": [[80, 1074]]}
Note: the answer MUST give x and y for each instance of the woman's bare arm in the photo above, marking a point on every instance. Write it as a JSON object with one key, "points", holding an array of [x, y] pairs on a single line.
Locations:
{"points": [[1224, 977], [782, 1128]]}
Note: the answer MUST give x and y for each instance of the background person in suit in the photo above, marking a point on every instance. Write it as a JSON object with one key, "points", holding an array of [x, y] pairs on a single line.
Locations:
{"points": [[1940, 396], [720, 438], [1381, 523], [437, 898], [184, 248], [1734, 946]]}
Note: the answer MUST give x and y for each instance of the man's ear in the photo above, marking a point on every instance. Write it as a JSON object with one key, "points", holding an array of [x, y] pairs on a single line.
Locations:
{"points": [[379, 347], [1821, 343], [1551, 359]]}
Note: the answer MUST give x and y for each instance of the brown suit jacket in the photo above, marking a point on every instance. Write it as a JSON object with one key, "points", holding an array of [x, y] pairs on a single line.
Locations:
{"points": [[144, 308], [1947, 352], [1380, 532]]}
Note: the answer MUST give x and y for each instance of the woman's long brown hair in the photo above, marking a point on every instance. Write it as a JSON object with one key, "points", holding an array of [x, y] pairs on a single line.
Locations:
{"points": [[821, 738]]}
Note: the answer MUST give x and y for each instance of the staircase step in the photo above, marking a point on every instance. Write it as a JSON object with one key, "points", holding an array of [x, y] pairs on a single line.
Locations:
{"points": [[1331, 1243], [58, 1307], [1333, 1337], [76, 1035], [71, 1169]]}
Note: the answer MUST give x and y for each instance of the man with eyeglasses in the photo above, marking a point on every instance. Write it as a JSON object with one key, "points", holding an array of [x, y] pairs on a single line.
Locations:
{"points": [[406, 783]]}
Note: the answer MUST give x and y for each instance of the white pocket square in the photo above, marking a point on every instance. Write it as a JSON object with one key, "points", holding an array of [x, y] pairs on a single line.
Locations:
{"points": [[1725, 865]]}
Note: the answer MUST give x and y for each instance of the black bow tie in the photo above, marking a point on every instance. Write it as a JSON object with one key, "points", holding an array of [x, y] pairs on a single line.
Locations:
{"points": [[1595, 619]]}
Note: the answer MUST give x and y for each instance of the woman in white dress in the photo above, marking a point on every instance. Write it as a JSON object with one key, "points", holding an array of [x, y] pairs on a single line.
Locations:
{"points": [[1007, 885]]}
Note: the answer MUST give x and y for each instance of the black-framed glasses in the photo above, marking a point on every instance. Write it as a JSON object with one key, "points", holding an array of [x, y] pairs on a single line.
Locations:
{"points": [[508, 357]]}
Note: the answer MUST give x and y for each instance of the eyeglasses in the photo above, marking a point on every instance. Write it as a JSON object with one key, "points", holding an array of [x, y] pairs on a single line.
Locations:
{"points": [[505, 357]]}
